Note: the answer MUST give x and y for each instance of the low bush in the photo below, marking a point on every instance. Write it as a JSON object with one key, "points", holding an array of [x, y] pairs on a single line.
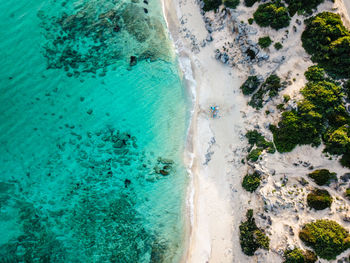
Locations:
{"points": [[250, 21], [319, 199], [327, 40], [231, 3], [321, 108], [250, 3], [251, 182], [278, 46], [211, 4], [302, 6], [271, 87], [327, 238], [273, 14], [255, 138], [315, 73], [322, 176], [299, 256], [264, 42], [251, 237], [250, 85], [254, 154]]}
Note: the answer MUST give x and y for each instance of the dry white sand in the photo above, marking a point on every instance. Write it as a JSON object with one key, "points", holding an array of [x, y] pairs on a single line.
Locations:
{"points": [[217, 202]]}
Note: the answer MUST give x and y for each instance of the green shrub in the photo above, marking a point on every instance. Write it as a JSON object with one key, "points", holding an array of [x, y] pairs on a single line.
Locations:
{"points": [[265, 42], [211, 4], [328, 42], [250, 3], [255, 138], [322, 176], [315, 73], [346, 88], [337, 141], [272, 14], [251, 182], [231, 3], [327, 238], [322, 104], [254, 154], [302, 6], [319, 199], [251, 237], [347, 193], [250, 21], [299, 256], [250, 85], [271, 86], [278, 46], [286, 98]]}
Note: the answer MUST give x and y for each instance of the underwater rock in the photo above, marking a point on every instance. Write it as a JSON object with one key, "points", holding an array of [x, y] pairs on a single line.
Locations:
{"points": [[127, 182], [133, 61], [163, 172]]}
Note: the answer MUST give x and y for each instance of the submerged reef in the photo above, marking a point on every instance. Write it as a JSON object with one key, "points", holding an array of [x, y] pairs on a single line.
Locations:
{"points": [[88, 208], [89, 37]]}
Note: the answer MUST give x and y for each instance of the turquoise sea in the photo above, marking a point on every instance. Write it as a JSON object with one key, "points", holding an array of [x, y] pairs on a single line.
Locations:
{"points": [[91, 148]]}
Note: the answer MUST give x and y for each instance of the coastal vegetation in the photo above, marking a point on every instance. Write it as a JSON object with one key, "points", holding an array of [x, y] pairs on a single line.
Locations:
{"points": [[322, 176], [302, 6], [273, 14], [320, 115], [250, 3], [327, 238], [319, 199], [271, 86], [256, 139], [264, 42], [251, 237], [297, 255], [210, 5], [231, 3], [327, 40], [278, 46], [250, 85], [251, 181]]}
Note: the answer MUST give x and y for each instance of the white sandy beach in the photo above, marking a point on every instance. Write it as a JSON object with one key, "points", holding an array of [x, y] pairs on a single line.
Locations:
{"points": [[217, 201]]}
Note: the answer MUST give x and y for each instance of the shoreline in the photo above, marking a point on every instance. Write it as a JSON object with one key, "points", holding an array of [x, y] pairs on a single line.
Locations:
{"points": [[210, 197]]}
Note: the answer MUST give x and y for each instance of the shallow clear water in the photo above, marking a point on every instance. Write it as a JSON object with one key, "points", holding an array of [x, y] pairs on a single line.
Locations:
{"points": [[90, 147]]}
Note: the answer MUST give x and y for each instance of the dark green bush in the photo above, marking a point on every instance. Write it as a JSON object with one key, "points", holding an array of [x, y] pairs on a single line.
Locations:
{"points": [[250, 85], [347, 193], [328, 42], [211, 4], [255, 138], [299, 256], [322, 176], [231, 3], [251, 182], [250, 21], [319, 199], [250, 3], [322, 104], [327, 238], [346, 88], [251, 237], [338, 140], [254, 154], [302, 6], [273, 14], [271, 86], [278, 46], [315, 73], [265, 42]]}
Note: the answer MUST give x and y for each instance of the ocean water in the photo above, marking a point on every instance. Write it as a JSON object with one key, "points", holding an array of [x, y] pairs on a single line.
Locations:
{"points": [[91, 148]]}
